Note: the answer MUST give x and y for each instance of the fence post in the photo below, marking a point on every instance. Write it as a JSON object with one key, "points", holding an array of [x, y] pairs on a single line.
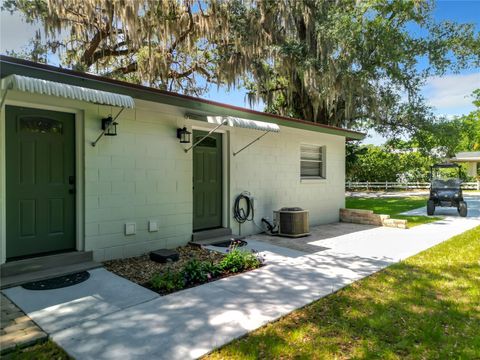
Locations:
{"points": [[386, 185], [367, 185], [478, 184]]}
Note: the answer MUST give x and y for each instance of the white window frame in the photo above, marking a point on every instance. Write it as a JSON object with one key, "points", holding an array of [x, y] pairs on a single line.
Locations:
{"points": [[322, 150]]}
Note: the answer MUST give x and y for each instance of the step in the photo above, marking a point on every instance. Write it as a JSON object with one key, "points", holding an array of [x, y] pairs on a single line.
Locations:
{"points": [[19, 279], [212, 233], [44, 262], [215, 240]]}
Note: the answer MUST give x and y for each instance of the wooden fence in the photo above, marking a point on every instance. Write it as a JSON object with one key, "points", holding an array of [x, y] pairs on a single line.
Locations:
{"points": [[386, 185]]}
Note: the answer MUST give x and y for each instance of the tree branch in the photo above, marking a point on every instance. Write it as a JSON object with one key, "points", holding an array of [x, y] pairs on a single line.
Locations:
{"points": [[88, 56], [132, 67], [110, 52], [183, 35]]}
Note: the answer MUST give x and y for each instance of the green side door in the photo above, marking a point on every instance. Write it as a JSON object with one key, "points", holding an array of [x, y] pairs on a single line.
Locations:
{"points": [[207, 181], [40, 181]]}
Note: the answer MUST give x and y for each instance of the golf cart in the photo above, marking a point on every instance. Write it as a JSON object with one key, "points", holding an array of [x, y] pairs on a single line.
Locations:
{"points": [[446, 188]]}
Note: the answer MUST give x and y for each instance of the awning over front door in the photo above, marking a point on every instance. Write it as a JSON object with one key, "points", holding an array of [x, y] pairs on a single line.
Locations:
{"points": [[266, 127], [244, 123], [40, 86]]}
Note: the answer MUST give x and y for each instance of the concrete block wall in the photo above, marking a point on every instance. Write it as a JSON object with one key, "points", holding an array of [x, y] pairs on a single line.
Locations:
{"points": [[138, 176], [368, 217], [270, 171]]}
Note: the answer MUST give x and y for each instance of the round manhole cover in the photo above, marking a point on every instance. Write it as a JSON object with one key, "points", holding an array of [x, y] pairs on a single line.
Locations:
{"points": [[58, 282]]}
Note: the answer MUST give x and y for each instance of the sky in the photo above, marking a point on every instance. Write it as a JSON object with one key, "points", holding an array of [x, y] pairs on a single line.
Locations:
{"points": [[449, 95]]}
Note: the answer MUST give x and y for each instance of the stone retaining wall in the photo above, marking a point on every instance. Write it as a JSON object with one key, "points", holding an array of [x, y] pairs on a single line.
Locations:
{"points": [[368, 217]]}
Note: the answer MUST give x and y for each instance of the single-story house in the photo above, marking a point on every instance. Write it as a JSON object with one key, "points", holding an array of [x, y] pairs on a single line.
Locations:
{"points": [[94, 164]]}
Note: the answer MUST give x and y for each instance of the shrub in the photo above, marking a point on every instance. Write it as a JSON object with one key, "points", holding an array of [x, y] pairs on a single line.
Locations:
{"points": [[211, 270], [193, 272], [239, 260], [168, 281], [198, 272]]}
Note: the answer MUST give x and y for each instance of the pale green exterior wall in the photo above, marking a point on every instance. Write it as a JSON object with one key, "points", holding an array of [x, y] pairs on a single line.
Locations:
{"points": [[144, 174]]}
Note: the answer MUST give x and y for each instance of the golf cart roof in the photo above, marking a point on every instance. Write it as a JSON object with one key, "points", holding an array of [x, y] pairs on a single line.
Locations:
{"points": [[446, 165]]}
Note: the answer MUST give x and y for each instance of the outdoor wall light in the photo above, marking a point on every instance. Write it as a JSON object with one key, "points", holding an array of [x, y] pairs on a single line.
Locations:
{"points": [[109, 126], [183, 135]]}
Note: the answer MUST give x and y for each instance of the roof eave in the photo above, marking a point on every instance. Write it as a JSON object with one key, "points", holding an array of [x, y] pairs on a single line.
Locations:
{"points": [[185, 101]]}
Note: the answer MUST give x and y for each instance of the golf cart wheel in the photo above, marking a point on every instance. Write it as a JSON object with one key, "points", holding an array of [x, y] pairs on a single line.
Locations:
{"points": [[430, 207], [462, 208]]}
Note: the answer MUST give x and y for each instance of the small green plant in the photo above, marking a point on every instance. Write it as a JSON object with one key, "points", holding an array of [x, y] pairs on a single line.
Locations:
{"points": [[198, 272], [238, 260], [168, 281], [211, 270], [194, 273]]}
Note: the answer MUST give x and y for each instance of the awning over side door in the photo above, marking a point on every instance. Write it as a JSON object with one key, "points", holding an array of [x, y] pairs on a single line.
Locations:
{"points": [[40, 86], [244, 123]]}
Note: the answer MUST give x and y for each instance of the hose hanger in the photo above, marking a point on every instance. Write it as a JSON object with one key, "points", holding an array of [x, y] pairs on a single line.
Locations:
{"points": [[241, 214]]}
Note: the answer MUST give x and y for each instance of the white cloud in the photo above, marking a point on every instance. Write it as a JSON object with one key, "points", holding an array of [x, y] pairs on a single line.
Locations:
{"points": [[450, 94]]}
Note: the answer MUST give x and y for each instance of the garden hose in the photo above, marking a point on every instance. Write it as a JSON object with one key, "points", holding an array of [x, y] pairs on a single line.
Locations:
{"points": [[240, 214]]}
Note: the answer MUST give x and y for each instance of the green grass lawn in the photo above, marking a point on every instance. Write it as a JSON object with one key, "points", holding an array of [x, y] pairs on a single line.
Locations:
{"points": [[426, 307], [47, 350], [393, 207]]}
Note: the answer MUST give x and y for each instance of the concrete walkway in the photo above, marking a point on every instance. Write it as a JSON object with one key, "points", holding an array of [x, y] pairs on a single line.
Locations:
{"points": [[108, 317], [473, 205]]}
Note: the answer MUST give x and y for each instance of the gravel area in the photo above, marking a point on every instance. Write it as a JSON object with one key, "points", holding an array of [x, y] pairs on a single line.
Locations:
{"points": [[140, 269]]}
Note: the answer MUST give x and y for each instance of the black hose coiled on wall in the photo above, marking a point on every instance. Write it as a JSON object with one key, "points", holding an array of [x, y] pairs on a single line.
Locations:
{"points": [[240, 214]]}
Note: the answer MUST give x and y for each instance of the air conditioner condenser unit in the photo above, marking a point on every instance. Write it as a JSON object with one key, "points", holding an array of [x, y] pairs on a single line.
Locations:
{"points": [[292, 222]]}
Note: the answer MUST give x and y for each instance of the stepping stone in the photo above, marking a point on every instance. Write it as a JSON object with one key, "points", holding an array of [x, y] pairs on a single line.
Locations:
{"points": [[164, 255]]}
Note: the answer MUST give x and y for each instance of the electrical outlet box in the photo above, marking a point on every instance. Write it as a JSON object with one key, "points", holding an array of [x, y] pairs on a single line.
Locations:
{"points": [[130, 228], [152, 226]]}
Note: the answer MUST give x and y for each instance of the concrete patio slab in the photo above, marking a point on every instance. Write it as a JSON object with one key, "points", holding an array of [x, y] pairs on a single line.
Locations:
{"points": [[103, 293], [310, 244]]}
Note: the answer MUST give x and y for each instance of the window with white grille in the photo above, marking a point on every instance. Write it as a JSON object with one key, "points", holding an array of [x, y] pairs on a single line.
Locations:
{"points": [[312, 162]]}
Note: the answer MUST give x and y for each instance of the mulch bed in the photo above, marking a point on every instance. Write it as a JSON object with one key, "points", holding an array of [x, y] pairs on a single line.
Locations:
{"points": [[140, 269]]}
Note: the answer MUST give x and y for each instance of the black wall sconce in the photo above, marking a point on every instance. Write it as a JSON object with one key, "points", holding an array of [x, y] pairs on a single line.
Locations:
{"points": [[109, 126], [183, 135]]}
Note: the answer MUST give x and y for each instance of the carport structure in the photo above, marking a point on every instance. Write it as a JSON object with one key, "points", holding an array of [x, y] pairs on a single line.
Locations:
{"points": [[472, 158]]}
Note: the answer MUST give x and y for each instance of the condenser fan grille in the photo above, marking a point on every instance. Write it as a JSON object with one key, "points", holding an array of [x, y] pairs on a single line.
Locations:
{"points": [[293, 223]]}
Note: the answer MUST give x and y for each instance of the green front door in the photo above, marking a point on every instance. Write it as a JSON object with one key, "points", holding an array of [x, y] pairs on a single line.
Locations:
{"points": [[40, 181], [207, 181]]}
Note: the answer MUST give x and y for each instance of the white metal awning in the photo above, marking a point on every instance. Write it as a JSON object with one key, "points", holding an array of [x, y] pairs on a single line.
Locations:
{"points": [[244, 123], [39, 86], [265, 127]]}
